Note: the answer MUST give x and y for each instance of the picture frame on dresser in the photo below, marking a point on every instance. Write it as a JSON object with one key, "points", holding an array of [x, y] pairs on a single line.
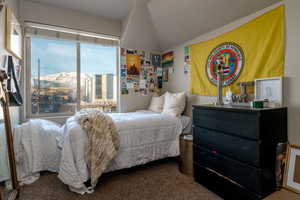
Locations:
{"points": [[292, 169], [269, 88]]}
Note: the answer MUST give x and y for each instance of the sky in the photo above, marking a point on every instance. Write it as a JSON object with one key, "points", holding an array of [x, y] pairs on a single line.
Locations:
{"points": [[60, 56]]}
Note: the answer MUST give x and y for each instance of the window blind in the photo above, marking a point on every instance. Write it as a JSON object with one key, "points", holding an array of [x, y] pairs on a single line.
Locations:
{"points": [[33, 29]]}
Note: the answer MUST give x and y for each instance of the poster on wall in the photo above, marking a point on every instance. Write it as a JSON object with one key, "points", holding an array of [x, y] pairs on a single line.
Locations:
{"points": [[124, 89], [123, 61], [159, 82], [186, 69], [133, 62], [13, 40], [165, 75], [156, 60], [143, 84], [171, 70], [123, 73], [187, 55], [131, 51], [123, 52], [167, 60], [159, 71]]}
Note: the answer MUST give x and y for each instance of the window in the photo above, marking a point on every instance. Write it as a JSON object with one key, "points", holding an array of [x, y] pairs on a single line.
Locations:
{"points": [[53, 76], [99, 76], [57, 67]]}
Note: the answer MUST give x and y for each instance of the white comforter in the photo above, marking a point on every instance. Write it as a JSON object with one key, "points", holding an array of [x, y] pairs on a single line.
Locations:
{"points": [[144, 137], [36, 149]]}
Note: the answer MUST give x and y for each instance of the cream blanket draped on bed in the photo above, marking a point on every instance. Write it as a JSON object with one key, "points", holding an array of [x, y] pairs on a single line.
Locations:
{"points": [[144, 137], [103, 141]]}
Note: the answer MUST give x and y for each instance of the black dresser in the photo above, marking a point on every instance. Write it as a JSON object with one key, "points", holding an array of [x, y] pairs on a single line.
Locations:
{"points": [[234, 149]]}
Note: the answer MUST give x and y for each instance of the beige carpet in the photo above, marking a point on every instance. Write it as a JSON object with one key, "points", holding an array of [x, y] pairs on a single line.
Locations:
{"points": [[159, 181], [283, 195]]}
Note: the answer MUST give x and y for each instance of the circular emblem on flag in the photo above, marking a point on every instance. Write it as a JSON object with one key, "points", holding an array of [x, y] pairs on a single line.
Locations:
{"points": [[231, 57]]}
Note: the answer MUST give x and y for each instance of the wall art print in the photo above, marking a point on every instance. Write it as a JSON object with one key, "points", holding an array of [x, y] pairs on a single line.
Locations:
{"points": [[133, 62], [156, 60], [14, 38]]}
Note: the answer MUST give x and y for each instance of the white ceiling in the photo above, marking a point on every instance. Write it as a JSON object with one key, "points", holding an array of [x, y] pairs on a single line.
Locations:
{"points": [[113, 9], [177, 21]]}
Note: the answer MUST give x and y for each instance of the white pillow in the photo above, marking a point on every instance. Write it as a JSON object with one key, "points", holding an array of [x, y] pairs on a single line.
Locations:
{"points": [[157, 103], [174, 104]]}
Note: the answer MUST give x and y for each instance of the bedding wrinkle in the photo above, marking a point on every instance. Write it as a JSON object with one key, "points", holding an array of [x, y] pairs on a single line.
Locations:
{"points": [[144, 137]]}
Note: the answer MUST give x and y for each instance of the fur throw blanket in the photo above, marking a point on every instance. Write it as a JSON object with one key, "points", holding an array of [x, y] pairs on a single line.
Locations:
{"points": [[103, 141]]}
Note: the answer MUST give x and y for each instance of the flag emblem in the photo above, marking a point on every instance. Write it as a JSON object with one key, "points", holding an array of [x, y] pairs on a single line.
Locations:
{"points": [[231, 57]]}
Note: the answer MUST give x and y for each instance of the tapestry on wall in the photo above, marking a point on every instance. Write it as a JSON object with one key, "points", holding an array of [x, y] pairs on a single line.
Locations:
{"points": [[141, 72], [167, 59], [253, 50]]}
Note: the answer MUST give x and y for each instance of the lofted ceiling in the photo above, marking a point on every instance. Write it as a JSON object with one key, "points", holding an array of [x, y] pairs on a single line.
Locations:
{"points": [[177, 21], [174, 21], [113, 9]]}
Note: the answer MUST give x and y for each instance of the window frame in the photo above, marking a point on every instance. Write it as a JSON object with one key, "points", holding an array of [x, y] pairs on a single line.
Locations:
{"points": [[27, 74]]}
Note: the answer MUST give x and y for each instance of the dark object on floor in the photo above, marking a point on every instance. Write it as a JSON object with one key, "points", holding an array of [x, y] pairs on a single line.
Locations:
{"points": [[155, 181], [186, 155], [235, 149]]}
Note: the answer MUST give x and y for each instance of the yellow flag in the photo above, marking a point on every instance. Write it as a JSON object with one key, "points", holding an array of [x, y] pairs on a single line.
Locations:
{"points": [[253, 50]]}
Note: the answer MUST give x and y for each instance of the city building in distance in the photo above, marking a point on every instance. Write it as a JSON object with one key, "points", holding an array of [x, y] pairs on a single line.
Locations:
{"points": [[57, 92]]}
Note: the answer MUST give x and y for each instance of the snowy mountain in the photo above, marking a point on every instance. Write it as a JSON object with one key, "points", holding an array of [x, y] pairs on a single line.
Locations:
{"points": [[63, 79]]}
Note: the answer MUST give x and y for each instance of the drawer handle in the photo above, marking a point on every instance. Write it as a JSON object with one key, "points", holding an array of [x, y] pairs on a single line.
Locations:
{"points": [[214, 152]]}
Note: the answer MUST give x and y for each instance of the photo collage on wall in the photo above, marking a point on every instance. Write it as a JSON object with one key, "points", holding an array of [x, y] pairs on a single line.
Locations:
{"points": [[141, 72]]}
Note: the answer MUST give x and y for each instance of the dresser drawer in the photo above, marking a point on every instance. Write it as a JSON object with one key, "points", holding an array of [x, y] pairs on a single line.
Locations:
{"points": [[235, 147], [250, 177], [245, 124], [223, 187]]}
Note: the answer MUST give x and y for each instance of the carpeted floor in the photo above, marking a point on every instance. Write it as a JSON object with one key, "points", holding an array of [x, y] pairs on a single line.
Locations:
{"points": [[160, 181], [157, 181]]}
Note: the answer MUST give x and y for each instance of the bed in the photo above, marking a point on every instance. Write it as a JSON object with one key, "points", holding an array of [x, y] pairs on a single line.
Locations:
{"points": [[145, 136], [4, 166]]}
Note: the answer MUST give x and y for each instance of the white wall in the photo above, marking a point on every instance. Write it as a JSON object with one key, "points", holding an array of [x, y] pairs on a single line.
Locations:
{"points": [[14, 5], [292, 69], [138, 33], [180, 82], [46, 14]]}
